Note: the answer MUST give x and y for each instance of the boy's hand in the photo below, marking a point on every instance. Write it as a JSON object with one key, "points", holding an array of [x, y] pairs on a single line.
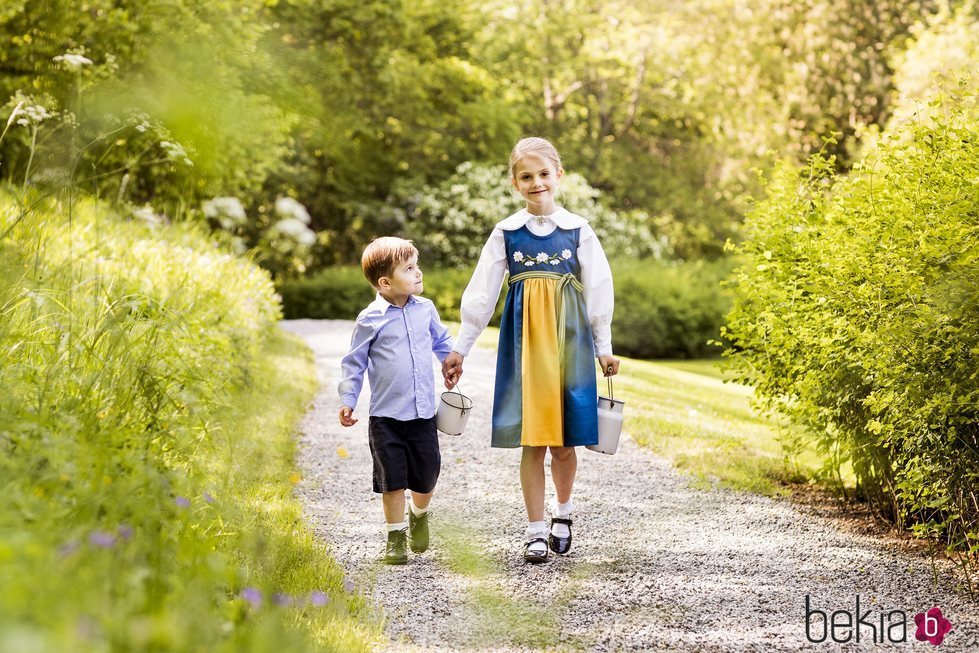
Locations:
{"points": [[452, 369], [610, 365], [346, 416]]}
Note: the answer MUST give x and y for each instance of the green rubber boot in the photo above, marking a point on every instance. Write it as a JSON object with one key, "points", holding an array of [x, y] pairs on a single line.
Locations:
{"points": [[396, 552], [418, 531]]}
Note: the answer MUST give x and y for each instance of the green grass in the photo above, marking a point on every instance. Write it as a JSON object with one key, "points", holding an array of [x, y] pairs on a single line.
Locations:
{"points": [[686, 412], [254, 456], [147, 448]]}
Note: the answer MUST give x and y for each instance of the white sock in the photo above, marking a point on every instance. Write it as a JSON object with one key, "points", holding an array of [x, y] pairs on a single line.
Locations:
{"points": [[415, 510], [537, 529], [400, 526], [563, 511]]}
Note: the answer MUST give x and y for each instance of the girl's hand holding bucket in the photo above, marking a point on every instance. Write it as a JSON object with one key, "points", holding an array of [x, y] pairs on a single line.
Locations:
{"points": [[609, 363]]}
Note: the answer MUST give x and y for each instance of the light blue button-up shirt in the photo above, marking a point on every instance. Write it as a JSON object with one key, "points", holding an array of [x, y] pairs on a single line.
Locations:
{"points": [[395, 346]]}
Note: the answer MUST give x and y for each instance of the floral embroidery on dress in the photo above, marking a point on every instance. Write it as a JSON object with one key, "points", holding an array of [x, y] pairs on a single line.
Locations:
{"points": [[541, 258]]}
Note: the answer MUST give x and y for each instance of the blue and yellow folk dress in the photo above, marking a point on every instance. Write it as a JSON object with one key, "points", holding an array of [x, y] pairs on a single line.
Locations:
{"points": [[545, 371]]}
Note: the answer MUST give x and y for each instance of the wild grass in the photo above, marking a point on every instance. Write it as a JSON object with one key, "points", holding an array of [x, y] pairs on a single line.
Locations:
{"points": [[687, 412], [146, 450]]}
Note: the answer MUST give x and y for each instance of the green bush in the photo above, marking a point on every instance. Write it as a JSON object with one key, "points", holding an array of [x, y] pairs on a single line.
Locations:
{"points": [[340, 293], [856, 315], [146, 487], [668, 310], [337, 293], [662, 310]]}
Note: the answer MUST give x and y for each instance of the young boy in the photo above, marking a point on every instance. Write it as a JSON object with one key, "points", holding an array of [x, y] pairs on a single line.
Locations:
{"points": [[393, 341]]}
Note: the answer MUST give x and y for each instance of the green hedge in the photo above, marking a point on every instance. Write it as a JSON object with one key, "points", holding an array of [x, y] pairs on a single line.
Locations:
{"points": [[857, 312], [668, 310], [662, 310]]}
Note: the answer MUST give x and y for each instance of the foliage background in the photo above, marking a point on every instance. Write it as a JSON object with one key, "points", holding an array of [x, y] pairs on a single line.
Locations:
{"points": [[153, 150], [358, 109]]}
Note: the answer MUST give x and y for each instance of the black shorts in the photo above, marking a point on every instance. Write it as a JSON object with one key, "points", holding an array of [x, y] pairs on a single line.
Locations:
{"points": [[406, 454]]}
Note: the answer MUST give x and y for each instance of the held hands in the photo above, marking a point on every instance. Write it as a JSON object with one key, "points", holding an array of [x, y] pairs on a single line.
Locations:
{"points": [[346, 416], [452, 369], [610, 364]]}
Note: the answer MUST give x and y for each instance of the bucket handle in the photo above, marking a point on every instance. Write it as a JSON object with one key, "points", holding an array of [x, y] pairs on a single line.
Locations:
{"points": [[462, 404], [611, 396]]}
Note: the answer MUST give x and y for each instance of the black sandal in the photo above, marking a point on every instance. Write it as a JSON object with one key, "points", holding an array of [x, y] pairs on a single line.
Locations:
{"points": [[560, 545], [535, 556]]}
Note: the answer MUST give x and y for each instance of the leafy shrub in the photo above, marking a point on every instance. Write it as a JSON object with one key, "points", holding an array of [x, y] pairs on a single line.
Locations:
{"points": [[449, 221], [856, 313], [662, 310], [668, 310], [136, 513], [340, 293]]}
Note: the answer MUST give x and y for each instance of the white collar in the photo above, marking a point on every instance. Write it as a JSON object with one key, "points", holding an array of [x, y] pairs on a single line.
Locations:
{"points": [[381, 305], [562, 218]]}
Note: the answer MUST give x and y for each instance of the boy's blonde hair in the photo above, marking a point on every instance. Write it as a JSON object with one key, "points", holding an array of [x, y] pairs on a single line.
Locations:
{"points": [[383, 255], [536, 145]]}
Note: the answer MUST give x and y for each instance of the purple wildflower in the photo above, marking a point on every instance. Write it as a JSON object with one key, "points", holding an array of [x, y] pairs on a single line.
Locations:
{"points": [[208, 498], [282, 600], [182, 502], [102, 539], [318, 599], [125, 532], [349, 586], [253, 596]]}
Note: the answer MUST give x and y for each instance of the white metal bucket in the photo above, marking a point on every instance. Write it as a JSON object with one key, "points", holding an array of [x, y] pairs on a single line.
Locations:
{"points": [[609, 423], [453, 413]]}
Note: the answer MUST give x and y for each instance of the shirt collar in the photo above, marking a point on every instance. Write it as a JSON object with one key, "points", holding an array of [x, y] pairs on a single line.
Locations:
{"points": [[562, 218], [381, 305]]}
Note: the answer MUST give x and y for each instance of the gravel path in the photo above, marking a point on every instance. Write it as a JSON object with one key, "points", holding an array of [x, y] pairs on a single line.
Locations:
{"points": [[656, 564]]}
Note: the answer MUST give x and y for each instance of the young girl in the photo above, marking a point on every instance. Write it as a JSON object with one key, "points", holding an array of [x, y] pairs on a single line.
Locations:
{"points": [[556, 319]]}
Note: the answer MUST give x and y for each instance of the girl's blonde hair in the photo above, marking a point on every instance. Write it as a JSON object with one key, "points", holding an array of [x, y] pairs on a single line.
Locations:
{"points": [[536, 145], [383, 255]]}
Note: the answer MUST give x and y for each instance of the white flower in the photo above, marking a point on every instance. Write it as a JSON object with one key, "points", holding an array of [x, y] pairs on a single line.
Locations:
{"points": [[73, 61], [542, 257], [297, 230], [33, 113], [528, 263], [287, 207], [566, 254], [518, 256], [147, 215], [175, 151], [226, 210]]}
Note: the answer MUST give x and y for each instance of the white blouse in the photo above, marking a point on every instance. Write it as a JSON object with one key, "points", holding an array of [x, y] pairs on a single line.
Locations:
{"points": [[479, 299]]}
